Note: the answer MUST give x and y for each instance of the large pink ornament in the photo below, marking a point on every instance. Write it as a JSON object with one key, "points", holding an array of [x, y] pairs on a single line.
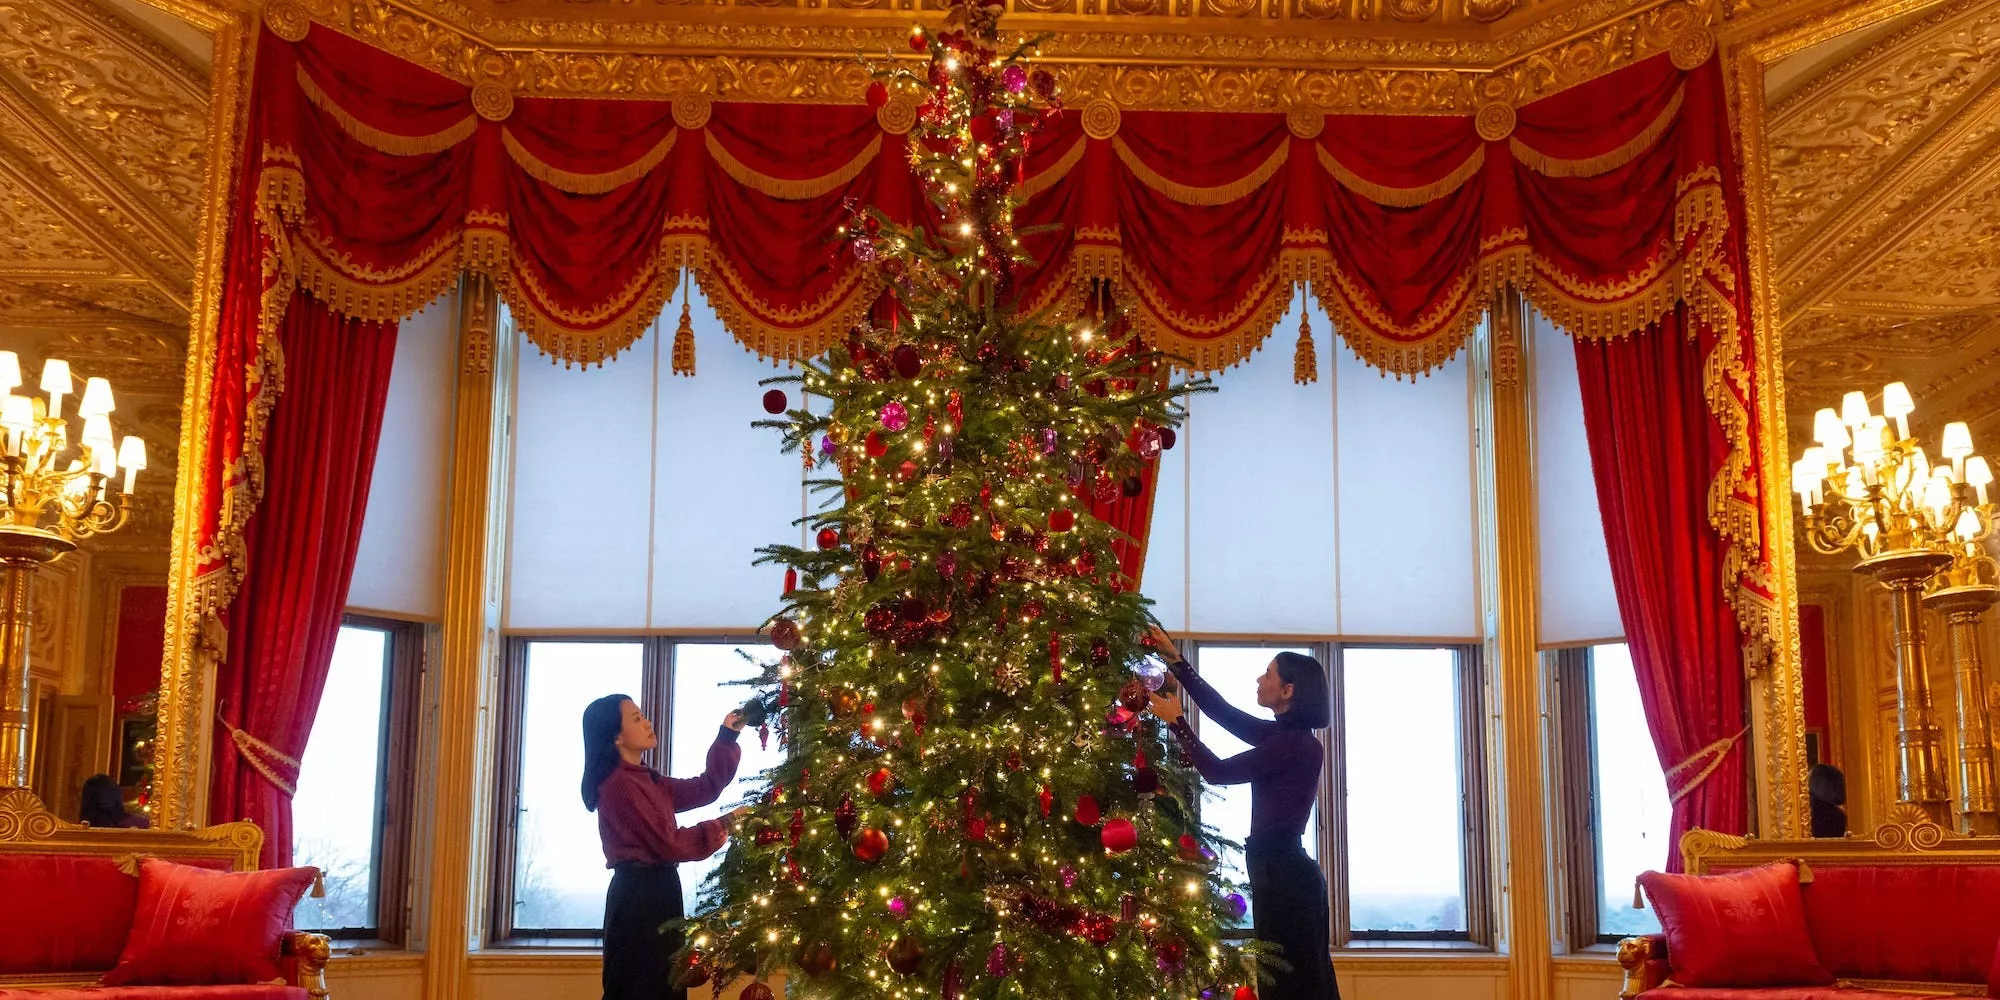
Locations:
{"points": [[894, 416]]}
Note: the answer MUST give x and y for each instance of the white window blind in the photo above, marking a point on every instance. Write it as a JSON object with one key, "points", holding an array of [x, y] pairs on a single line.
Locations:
{"points": [[1577, 602], [399, 566]]}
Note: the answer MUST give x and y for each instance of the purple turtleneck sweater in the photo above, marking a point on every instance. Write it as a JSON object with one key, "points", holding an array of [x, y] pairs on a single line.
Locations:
{"points": [[1282, 764]]}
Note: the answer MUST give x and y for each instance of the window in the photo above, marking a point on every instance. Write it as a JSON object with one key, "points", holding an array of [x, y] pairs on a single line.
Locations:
{"points": [[549, 870], [1405, 722], [351, 815], [701, 695], [1620, 820]]}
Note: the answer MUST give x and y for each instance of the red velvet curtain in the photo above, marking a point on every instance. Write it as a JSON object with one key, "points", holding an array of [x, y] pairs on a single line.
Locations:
{"points": [[1655, 450], [318, 458]]}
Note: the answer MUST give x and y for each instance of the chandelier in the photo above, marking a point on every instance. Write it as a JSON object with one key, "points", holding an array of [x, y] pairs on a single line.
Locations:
{"points": [[54, 492], [1918, 524]]}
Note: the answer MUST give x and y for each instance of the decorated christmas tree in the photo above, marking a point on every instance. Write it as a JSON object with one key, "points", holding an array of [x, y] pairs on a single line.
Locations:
{"points": [[973, 803]]}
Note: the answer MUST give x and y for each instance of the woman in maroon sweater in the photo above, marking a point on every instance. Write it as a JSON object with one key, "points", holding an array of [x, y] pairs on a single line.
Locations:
{"points": [[635, 808]]}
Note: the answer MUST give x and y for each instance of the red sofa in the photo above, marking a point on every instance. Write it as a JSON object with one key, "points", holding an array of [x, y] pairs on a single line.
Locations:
{"points": [[1913, 910], [68, 895]]}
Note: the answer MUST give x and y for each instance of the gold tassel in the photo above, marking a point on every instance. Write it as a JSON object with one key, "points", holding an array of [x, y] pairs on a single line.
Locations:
{"points": [[1805, 872], [1305, 361], [1638, 897], [684, 342], [319, 885]]}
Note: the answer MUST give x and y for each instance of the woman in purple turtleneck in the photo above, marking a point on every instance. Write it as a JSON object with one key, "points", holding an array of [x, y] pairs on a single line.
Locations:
{"points": [[1282, 767]]}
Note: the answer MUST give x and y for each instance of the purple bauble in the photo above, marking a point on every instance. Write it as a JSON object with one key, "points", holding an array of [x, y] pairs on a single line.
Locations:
{"points": [[894, 417], [1016, 77]]}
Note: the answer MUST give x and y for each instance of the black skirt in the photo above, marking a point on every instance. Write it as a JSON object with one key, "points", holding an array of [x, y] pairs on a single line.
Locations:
{"points": [[1291, 912], [642, 914]]}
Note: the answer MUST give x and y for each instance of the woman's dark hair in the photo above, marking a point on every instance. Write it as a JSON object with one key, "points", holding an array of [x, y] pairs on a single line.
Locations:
{"points": [[602, 721], [1310, 708], [103, 802], [1825, 783]]}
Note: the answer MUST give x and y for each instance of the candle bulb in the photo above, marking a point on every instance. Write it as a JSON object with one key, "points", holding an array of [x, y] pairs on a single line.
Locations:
{"points": [[1897, 404], [1957, 445], [132, 455], [1977, 475], [56, 382]]}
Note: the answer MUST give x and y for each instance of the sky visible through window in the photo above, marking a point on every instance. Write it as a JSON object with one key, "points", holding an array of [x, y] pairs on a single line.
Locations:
{"points": [[338, 805], [1634, 819], [1405, 806]]}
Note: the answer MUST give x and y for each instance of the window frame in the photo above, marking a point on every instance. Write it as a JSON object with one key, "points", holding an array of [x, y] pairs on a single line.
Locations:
{"points": [[1331, 833], [1580, 782], [394, 845], [657, 665]]}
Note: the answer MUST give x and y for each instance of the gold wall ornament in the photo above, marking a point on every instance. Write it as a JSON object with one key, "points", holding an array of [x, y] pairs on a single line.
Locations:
{"points": [[898, 115], [287, 20], [1495, 122], [492, 100], [1305, 122], [1487, 11], [1692, 47], [1412, 10], [1100, 119], [691, 109]]}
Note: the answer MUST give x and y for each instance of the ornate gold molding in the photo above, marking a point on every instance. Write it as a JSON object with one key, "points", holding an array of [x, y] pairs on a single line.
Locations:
{"points": [[740, 51]]}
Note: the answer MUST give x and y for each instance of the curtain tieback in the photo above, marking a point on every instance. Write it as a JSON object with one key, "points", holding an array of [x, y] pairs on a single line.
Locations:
{"points": [[264, 757], [1703, 762]]}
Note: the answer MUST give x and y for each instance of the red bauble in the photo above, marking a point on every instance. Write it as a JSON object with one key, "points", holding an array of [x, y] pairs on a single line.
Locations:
{"points": [[1100, 651], [878, 95], [759, 991], [816, 959], [1120, 835], [1167, 438], [1132, 486], [1245, 993], [785, 634], [1098, 929], [1062, 519], [768, 835], [843, 817], [828, 538], [875, 445], [774, 401], [907, 471], [1145, 780], [1171, 951], [918, 42], [1133, 696], [1087, 812], [871, 844], [909, 363], [976, 828], [906, 955], [1190, 847], [694, 972], [881, 782]]}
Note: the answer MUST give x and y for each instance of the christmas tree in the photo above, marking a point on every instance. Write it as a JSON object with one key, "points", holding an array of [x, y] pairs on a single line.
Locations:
{"points": [[973, 803]]}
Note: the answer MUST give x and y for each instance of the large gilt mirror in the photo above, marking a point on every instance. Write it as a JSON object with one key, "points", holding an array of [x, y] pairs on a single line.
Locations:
{"points": [[104, 167], [1882, 201]]}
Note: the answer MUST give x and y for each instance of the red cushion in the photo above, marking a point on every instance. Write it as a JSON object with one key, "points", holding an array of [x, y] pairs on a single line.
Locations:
{"points": [[161, 993], [193, 927], [1742, 929], [64, 913], [1933, 923]]}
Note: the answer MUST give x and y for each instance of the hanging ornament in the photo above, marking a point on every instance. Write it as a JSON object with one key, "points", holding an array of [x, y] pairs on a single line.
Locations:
{"points": [[1169, 951], [907, 471], [1119, 835], [1238, 905], [908, 361], [1133, 696], [996, 961], [954, 407], [1098, 929], [843, 817], [1146, 441], [1055, 659], [1033, 609], [1046, 799], [1168, 436], [1061, 520], [767, 835], [1132, 486], [870, 844], [798, 825], [1068, 876], [791, 581], [1048, 440], [1190, 848], [1145, 780], [1128, 906], [1245, 993], [1105, 490], [817, 959], [959, 515], [785, 634], [828, 538], [1087, 813], [1078, 472], [774, 401], [845, 701], [898, 908], [764, 737], [1100, 652], [881, 782], [947, 564], [827, 447], [954, 984], [975, 828], [906, 955], [694, 972], [879, 620], [894, 417], [874, 445], [871, 562], [759, 991]]}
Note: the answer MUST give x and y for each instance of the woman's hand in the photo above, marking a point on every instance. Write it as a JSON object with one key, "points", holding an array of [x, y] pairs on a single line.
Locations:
{"points": [[734, 720], [1168, 709], [736, 815], [1163, 641]]}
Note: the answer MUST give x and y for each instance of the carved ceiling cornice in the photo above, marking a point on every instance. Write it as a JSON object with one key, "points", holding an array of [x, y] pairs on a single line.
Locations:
{"points": [[1392, 56], [103, 153]]}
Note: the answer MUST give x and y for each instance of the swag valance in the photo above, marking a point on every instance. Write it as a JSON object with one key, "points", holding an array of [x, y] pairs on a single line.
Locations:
{"points": [[370, 184]]}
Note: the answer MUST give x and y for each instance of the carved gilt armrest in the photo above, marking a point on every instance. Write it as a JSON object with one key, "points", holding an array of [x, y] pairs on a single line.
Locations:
{"points": [[1644, 960], [306, 953]]}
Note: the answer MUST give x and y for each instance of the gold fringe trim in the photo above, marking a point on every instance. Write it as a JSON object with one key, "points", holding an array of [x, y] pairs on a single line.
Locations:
{"points": [[792, 190], [1057, 171], [598, 335], [1236, 336], [381, 297], [1401, 197], [576, 183], [1591, 166], [1221, 194], [790, 334], [387, 142]]}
